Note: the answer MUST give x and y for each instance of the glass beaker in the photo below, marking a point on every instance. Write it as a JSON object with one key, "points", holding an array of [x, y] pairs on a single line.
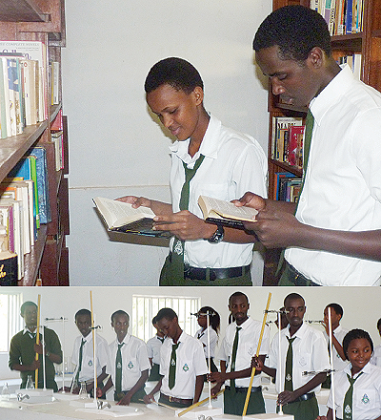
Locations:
{"points": [[29, 383], [5, 392], [83, 391]]}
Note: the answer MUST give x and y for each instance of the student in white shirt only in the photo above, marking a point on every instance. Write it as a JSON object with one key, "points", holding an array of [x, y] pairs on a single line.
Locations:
{"points": [[84, 360], [182, 364], [338, 357], [129, 372], [154, 346], [297, 392], [363, 401]]}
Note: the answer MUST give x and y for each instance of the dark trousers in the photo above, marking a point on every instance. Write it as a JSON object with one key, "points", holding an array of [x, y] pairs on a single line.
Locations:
{"points": [[292, 277], [136, 398], [234, 402], [303, 410]]}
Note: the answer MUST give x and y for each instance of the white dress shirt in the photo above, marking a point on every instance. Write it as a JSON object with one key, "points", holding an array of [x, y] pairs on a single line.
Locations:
{"points": [[310, 353], [87, 368], [247, 347], [234, 164], [202, 336], [366, 393], [134, 360], [153, 346], [190, 362], [338, 362], [342, 190]]}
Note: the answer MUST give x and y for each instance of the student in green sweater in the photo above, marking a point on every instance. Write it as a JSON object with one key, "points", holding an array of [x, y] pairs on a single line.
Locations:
{"points": [[23, 349]]}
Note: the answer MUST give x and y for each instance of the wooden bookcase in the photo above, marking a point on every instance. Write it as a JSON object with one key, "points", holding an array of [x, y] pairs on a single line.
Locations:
{"points": [[368, 43], [41, 20]]}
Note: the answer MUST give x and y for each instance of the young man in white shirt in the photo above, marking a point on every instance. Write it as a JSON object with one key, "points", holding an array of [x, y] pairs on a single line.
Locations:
{"points": [[303, 348], [128, 363], [236, 359], [339, 358], [154, 346], [83, 354], [333, 236], [182, 364]]}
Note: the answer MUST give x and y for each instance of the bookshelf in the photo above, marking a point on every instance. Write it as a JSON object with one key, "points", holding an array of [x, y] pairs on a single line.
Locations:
{"points": [[41, 20], [368, 44]]}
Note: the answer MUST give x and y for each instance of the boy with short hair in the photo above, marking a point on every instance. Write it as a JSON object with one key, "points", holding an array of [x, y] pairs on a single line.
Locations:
{"points": [[339, 358], [129, 363], [303, 348], [237, 350], [153, 346], [332, 236], [182, 364], [207, 159], [23, 349], [83, 355]]}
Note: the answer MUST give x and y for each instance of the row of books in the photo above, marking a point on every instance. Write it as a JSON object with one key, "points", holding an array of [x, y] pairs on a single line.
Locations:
{"points": [[342, 16], [24, 206], [24, 98], [287, 140], [287, 186]]}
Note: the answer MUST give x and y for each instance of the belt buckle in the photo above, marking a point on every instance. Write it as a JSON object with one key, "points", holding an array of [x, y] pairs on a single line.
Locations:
{"points": [[170, 398]]}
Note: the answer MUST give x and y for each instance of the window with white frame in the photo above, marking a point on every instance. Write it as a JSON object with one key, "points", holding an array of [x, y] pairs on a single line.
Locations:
{"points": [[144, 308], [10, 320]]}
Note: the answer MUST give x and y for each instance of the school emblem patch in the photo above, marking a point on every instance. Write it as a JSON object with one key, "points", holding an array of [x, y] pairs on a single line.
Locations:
{"points": [[365, 399], [347, 410], [119, 365], [288, 377], [90, 363], [130, 365], [178, 249], [173, 363], [185, 368]]}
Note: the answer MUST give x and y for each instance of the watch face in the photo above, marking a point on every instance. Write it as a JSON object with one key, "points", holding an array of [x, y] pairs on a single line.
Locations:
{"points": [[218, 235]]}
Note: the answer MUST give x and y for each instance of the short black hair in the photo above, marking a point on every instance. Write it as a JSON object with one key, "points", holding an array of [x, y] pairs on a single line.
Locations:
{"points": [[237, 294], [293, 296], [354, 335], [379, 324], [166, 313], [154, 320], [337, 308], [214, 317], [176, 72], [25, 305], [120, 312], [296, 30], [82, 312]]}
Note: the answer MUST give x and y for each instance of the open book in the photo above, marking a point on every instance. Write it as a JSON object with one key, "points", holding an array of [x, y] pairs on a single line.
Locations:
{"points": [[225, 213], [122, 217]]}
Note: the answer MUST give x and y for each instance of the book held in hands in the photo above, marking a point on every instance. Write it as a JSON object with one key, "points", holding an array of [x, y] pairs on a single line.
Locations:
{"points": [[122, 217], [225, 212]]}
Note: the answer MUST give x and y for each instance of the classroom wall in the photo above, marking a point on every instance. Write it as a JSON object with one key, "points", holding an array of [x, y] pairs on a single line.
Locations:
{"points": [[116, 146], [361, 306]]}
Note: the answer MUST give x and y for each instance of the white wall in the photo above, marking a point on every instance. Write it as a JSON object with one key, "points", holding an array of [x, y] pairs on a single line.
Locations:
{"points": [[361, 306], [115, 146]]}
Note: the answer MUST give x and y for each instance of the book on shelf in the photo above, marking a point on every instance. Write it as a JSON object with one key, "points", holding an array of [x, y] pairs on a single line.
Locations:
{"points": [[280, 136], [295, 137], [54, 68], [122, 217], [225, 213], [8, 259], [12, 210], [57, 139], [287, 186], [30, 86], [44, 211], [33, 50]]}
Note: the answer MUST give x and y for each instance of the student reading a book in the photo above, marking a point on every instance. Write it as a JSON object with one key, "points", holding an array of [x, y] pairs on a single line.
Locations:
{"points": [[333, 236], [207, 159]]}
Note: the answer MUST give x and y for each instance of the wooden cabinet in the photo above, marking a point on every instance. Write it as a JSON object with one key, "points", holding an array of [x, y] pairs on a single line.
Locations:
{"points": [[41, 20], [368, 44]]}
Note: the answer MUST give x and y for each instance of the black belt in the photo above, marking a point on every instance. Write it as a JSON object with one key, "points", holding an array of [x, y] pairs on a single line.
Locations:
{"points": [[297, 278], [183, 401], [304, 397], [244, 390], [211, 274]]}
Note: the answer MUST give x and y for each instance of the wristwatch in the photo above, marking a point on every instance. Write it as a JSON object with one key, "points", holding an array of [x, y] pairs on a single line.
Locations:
{"points": [[217, 236]]}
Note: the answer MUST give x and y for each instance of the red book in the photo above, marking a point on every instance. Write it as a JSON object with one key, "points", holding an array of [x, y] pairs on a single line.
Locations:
{"points": [[295, 144]]}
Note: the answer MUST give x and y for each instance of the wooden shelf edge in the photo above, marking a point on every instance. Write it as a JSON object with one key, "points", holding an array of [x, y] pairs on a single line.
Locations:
{"points": [[54, 110], [33, 260], [21, 11], [12, 149], [285, 166]]}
